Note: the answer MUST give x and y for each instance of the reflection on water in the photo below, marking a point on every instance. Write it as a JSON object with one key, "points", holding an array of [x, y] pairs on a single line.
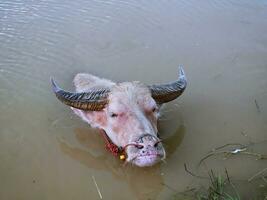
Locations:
{"points": [[145, 183], [48, 153]]}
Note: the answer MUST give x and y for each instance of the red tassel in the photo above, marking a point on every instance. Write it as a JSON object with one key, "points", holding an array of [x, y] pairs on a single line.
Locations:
{"points": [[110, 146]]}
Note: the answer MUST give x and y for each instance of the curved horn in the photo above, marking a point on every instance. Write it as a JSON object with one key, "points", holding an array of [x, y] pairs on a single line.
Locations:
{"points": [[94, 100], [168, 92]]}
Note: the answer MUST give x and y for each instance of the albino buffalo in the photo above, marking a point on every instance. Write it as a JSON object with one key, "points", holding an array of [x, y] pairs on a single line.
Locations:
{"points": [[127, 112]]}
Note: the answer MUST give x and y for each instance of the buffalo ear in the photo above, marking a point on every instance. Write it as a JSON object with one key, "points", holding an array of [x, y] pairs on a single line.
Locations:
{"points": [[97, 119]]}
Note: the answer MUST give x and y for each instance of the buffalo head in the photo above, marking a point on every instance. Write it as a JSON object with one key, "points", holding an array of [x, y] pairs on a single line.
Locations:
{"points": [[127, 111]]}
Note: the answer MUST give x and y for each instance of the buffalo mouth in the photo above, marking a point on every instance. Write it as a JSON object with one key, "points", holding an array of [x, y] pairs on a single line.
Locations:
{"points": [[147, 151], [147, 160]]}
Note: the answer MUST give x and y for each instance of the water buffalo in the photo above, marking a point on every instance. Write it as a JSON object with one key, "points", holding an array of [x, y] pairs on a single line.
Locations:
{"points": [[127, 112]]}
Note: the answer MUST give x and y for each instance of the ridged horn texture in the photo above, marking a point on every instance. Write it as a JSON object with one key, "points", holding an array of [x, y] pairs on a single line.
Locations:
{"points": [[168, 92], [94, 100]]}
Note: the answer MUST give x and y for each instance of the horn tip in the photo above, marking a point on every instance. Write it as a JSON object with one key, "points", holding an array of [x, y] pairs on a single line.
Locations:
{"points": [[182, 76], [54, 85], [181, 70]]}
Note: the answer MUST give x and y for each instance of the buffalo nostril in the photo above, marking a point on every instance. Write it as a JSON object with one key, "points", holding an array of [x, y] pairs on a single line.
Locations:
{"points": [[157, 143], [139, 146]]}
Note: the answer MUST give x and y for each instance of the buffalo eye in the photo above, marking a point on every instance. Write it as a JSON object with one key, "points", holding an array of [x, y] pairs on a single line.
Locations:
{"points": [[113, 115]]}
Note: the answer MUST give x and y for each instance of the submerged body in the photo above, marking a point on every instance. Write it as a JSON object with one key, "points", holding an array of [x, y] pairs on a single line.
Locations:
{"points": [[127, 112]]}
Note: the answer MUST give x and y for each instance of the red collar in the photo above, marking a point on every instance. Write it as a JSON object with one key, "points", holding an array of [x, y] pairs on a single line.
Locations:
{"points": [[111, 147]]}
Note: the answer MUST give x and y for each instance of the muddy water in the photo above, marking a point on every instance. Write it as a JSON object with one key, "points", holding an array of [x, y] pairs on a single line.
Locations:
{"points": [[48, 153]]}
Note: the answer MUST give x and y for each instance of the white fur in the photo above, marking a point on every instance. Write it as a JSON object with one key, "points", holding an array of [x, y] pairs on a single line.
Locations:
{"points": [[85, 82]]}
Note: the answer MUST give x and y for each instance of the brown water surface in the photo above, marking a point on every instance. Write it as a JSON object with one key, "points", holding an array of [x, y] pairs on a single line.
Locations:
{"points": [[48, 153]]}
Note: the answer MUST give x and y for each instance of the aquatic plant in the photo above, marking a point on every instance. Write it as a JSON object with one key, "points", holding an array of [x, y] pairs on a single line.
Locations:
{"points": [[216, 191], [219, 188]]}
